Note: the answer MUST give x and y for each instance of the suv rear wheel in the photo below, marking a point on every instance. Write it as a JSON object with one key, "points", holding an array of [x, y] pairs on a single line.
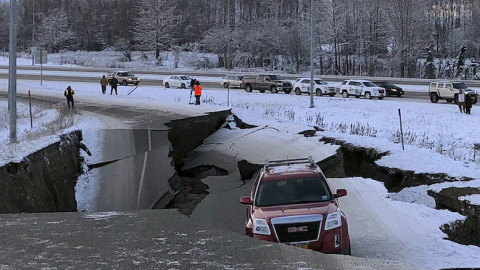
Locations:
{"points": [[297, 91], [434, 97], [368, 95], [345, 94], [318, 92], [248, 88]]}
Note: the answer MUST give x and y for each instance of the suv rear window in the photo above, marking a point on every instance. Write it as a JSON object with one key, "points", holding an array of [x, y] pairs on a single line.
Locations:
{"points": [[292, 191], [459, 85], [125, 74], [320, 82], [369, 84]]}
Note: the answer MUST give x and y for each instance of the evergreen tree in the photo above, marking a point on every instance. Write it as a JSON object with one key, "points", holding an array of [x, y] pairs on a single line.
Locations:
{"points": [[430, 66]]}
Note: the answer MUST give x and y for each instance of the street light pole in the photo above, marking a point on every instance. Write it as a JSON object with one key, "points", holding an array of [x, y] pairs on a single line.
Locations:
{"points": [[311, 56], [12, 73], [33, 32]]}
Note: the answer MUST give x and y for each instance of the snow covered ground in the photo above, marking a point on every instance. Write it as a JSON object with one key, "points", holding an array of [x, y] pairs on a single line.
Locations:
{"points": [[438, 138]]}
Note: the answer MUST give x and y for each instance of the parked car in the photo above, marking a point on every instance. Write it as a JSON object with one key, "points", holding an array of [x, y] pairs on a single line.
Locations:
{"points": [[291, 203], [390, 89], [361, 88], [232, 81], [264, 82], [123, 77], [448, 90], [181, 81], [321, 87]]}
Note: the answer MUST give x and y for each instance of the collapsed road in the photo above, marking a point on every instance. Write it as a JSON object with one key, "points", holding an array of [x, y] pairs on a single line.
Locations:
{"points": [[223, 187], [156, 238]]}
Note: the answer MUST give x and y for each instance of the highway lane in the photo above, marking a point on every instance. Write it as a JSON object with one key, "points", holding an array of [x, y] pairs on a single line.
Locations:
{"points": [[332, 78], [409, 95]]}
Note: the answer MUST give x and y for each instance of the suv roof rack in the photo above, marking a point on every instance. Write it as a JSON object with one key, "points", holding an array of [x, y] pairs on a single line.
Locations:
{"points": [[269, 163]]}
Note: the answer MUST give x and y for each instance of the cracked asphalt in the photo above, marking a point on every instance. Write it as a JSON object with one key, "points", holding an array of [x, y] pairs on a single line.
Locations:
{"points": [[150, 239]]}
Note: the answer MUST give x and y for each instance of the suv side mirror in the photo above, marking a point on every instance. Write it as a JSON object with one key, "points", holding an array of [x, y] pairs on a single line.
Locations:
{"points": [[246, 200], [340, 193]]}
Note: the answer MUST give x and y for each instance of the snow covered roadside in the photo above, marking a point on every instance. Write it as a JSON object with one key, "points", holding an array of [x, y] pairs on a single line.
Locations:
{"points": [[47, 125]]}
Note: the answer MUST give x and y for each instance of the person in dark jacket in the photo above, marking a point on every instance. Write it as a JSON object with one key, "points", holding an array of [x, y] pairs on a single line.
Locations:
{"points": [[113, 84], [192, 86], [103, 83], [198, 92], [69, 95], [468, 103]]}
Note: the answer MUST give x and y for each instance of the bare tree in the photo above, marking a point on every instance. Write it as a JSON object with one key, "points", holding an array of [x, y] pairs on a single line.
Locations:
{"points": [[53, 31], [155, 25]]}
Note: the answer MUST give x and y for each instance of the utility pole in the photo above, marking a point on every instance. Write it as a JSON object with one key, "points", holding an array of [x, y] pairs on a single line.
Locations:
{"points": [[229, 36], [12, 73], [33, 33], [312, 83]]}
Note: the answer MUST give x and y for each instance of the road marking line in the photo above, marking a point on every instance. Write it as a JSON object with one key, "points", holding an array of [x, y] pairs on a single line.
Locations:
{"points": [[139, 194]]}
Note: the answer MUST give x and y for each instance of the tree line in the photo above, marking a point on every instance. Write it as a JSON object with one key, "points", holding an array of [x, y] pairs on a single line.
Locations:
{"points": [[351, 37]]}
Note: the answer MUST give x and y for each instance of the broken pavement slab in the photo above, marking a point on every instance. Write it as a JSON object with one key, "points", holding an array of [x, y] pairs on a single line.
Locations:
{"points": [[154, 239], [255, 145]]}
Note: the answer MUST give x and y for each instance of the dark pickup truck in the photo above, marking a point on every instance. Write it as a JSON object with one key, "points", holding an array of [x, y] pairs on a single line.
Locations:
{"points": [[273, 83]]}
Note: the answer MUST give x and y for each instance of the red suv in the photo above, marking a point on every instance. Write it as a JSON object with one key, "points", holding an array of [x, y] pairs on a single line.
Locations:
{"points": [[291, 203]]}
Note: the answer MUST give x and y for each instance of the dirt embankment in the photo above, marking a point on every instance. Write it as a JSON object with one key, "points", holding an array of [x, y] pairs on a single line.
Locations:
{"points": [[43, 181]]}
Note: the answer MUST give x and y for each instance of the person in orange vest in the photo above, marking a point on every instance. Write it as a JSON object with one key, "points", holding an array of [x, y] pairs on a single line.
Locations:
{"points": [[198, 92]]}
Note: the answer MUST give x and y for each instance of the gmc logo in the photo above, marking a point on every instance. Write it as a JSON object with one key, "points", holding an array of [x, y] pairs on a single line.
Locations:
{"points": [[297, 229]]}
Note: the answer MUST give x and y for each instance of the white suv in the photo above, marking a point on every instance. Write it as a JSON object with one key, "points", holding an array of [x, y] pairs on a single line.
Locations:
{"points": [[302, 85], [361, 88], [449, 91]]}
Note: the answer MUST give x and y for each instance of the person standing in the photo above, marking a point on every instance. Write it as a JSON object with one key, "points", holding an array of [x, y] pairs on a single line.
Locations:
{"points": [[69, 95], [192, 84], [198, 92], [461, 100], [113, 84], [103, 83], [468, 103]]}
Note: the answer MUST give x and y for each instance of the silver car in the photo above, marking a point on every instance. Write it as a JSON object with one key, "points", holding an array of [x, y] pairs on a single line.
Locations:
{"points": [[232, 81], [123, 77]]}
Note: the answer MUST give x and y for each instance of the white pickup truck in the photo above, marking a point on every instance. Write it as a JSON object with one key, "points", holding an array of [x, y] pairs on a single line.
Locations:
{"points": [[449, 90]]}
